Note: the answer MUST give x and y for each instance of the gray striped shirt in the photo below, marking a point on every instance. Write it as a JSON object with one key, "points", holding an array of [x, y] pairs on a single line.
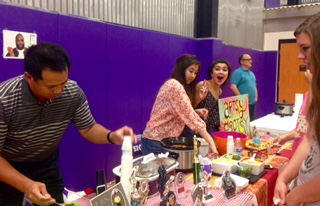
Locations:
{"points": [[30, 131]]}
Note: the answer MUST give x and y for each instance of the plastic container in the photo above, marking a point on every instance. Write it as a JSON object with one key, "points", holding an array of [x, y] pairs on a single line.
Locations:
{"points": [[257, 165], [126, 165], [230, 145], [204, 147], [238, 147], [221, 139], [221, 164], [245, 171]]}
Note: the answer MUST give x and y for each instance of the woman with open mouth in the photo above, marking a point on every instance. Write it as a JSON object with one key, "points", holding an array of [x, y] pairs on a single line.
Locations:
{"points": [[209, 92]]}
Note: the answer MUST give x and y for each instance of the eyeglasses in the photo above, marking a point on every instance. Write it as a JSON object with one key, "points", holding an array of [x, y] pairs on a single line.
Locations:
{"points": [[246, 59]]}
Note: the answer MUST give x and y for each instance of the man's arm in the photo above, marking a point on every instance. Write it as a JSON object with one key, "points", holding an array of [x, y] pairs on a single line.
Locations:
{"points": [[98, 134], [234, 89]]}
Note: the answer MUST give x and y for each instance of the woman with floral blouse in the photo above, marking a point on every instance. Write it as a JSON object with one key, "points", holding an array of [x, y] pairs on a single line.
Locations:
{"points": [[172, 113]]}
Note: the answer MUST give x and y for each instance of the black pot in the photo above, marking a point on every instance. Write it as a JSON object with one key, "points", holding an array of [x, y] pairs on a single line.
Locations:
{"points": [[179, 143]]}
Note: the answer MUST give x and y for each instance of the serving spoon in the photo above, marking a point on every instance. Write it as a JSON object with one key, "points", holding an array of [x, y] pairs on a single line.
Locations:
{"points": [[251, 160]]}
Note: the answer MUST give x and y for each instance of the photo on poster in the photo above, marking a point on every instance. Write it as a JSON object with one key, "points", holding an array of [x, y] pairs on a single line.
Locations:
{"points": [[16, 43]]}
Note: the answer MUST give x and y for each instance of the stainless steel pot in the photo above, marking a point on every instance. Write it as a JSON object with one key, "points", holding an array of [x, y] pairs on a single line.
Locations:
{"points": [[185, 158], [149, 171], [283, 108], [183, 146]]}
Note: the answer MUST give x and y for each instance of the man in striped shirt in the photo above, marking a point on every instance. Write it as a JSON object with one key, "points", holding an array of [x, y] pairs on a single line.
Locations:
{"points": [[35, 111]]}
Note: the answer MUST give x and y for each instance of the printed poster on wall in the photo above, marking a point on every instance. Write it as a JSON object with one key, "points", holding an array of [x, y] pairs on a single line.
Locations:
{"points": [[234, 114], [16, 43]]}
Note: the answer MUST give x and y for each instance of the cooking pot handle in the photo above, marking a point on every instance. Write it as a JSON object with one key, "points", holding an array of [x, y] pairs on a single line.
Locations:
{"points": [[280, 107], [174, 155]]}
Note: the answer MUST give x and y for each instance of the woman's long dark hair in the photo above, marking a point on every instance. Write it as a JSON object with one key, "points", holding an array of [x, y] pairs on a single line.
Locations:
{"points": [[179, 73]]}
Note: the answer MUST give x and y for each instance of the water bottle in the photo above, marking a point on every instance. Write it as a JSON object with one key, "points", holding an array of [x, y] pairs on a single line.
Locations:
{"points": [[230, 145], [238, 146]]}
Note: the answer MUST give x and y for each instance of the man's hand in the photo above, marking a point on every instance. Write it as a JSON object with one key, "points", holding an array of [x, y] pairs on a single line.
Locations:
{"points": [[37, 193], [118, 135]]}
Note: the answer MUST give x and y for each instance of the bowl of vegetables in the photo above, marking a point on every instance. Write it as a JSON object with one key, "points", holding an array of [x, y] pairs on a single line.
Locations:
{"points": [[245, 171]]}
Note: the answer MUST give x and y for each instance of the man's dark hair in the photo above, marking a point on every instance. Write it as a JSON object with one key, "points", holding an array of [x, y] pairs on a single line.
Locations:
{"points": [[18, 36], [240, 58], [45, 56]]}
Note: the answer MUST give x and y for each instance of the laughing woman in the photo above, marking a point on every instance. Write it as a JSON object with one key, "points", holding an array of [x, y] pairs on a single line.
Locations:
{"points": [[172, 113], [210, 91]]}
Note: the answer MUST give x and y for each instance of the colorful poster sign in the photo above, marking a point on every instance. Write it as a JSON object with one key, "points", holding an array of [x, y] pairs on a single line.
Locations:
{"points": [[234, 114]]}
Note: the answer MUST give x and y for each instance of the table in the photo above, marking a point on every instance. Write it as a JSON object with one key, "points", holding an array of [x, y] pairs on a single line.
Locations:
{"points": [[259, 193], [242, 198], [275, 124]]}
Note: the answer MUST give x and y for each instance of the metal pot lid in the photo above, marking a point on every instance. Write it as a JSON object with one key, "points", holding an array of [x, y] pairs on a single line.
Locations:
{"points": [[151, 168], [283, 103], [177, 143]]}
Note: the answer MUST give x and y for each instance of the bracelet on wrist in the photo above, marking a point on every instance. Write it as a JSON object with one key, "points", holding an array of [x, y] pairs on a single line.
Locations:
{"points": [[108, 138]]}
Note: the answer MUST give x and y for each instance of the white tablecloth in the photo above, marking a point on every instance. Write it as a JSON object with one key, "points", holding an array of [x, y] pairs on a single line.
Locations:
{"points": [[275, 124]]}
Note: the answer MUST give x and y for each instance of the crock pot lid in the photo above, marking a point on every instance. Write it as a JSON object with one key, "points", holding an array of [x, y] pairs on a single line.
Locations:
{"points": [[151, 168], [178, 143], [283, 104]]}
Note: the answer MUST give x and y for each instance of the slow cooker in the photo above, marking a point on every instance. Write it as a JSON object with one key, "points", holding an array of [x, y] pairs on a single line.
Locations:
{"points": [[283, 108], [183, 146], [149, 170]]}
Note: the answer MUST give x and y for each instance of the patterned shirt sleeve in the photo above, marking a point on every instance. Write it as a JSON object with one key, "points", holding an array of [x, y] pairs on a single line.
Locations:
{"points": [[182, 106]]}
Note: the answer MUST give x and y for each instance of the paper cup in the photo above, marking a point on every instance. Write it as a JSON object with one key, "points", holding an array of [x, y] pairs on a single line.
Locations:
{"points": [[207, 168]]}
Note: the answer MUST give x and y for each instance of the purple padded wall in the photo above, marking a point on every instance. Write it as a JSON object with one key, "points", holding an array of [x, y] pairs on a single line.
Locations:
{"points": [[208, 50], [85, 41], [123, 82], [156, 69], [269, 81]]}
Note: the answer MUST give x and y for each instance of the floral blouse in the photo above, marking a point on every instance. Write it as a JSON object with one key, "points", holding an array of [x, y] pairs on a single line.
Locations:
{"points": [[171, 111]]}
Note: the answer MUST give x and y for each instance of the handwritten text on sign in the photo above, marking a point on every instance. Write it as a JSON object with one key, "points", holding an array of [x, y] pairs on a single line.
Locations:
{"points": [[234, 114]]}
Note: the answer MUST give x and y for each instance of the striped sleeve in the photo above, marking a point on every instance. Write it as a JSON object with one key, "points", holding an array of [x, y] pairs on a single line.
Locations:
{"points": [[3, 127], [83, 118]]}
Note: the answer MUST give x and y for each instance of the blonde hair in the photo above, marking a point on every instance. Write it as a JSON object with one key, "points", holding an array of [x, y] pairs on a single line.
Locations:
{"points": [[311, 27]]}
